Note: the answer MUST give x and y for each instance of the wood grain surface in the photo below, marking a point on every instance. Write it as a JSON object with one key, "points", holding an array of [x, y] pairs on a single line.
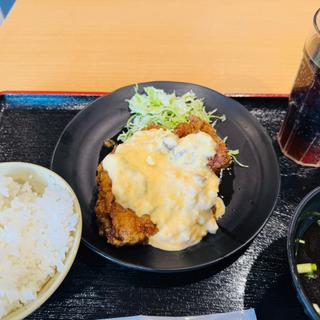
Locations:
{"points": [[251, 46]]}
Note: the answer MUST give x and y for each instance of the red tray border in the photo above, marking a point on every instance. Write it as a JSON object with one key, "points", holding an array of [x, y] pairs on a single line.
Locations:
{"points": [[99, 93]]}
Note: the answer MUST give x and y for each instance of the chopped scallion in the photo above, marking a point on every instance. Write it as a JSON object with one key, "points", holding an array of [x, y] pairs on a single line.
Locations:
{"points": [[311, 275], [306, 268], [233, 154], [316, 307]]}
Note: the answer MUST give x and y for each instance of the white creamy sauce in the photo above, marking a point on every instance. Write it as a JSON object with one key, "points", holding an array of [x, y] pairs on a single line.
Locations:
{"points": [[156, 173]]}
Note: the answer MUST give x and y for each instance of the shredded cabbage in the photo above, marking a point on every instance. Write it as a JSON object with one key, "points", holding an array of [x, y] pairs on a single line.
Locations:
{"points": [[166, 110]]}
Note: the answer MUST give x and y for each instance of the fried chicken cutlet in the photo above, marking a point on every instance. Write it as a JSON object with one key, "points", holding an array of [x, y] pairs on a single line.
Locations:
{"points": [[121, 226], [221, 159]]}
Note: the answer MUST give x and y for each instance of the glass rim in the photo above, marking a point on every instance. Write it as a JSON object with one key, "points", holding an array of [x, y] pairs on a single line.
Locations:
{"points": [[315, 24]]}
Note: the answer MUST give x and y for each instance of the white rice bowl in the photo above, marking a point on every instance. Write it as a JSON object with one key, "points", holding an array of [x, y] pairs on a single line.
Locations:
{"points": [[40, 231]]}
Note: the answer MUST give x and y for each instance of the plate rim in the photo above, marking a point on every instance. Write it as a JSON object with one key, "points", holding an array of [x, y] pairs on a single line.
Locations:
{"points": [[201, 265]]}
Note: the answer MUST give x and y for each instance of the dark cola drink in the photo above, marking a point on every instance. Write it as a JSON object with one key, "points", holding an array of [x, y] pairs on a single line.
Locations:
{"points": [[299, 136]]}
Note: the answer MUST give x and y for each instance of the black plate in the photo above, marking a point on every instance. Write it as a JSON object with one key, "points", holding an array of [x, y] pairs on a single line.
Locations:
{"points": [[250, 194]]}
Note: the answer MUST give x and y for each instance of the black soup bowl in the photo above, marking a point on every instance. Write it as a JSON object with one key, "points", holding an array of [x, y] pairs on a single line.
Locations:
{"points": [[303, 246]]}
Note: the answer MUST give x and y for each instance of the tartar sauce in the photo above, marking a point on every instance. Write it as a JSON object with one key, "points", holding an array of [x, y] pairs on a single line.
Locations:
{"points": [[154, 172]]}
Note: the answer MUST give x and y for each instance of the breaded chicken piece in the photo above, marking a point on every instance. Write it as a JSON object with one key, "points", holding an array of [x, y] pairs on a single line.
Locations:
{"points": [[221, 159], [122, 226], [119, 225]]}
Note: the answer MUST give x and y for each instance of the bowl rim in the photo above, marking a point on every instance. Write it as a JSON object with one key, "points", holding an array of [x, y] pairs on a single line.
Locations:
{"points": [[58, 278], [303, 297]]}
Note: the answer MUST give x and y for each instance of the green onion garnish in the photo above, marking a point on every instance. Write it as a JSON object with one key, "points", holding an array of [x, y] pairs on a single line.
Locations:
{"points": [[316, 307], [233, 154], [306, 268], [311, 275]]}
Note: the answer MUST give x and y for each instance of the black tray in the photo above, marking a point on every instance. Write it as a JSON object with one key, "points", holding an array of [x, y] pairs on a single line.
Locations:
{"points": [[30, 125]]}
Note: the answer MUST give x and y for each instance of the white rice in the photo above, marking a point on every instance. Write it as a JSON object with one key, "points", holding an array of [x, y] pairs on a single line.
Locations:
{"points": [[36, 232]]}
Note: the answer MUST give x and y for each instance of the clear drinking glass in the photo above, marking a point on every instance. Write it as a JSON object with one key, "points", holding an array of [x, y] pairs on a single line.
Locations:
{"points": [[299, 136]]}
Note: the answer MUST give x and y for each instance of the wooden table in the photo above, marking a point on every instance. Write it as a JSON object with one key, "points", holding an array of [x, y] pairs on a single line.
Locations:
{"points": [[246, 47]]}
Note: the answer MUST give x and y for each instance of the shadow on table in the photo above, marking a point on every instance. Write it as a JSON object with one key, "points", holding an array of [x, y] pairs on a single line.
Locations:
{"points": [[99, 283], [273, 296], [147, 279]]}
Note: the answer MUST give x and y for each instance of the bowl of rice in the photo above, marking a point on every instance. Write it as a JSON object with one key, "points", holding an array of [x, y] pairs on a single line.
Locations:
{"points": [[40, 232]]}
